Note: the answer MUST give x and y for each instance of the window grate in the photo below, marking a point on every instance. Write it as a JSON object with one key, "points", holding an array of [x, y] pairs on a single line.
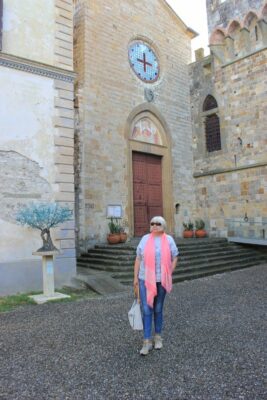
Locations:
{"points": [[213, 134]]}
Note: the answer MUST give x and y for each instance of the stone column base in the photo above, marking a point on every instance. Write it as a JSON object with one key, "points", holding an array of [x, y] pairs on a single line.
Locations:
{"points": [[41, 298]]}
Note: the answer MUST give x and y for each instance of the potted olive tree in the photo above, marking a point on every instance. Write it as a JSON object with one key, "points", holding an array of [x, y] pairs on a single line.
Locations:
{"points": [[44, 216]]}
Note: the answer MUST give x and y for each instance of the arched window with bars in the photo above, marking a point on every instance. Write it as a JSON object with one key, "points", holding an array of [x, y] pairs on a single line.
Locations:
{"points": [[212, 124]]}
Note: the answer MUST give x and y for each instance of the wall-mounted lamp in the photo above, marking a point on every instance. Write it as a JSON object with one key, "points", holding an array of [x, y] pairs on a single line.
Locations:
{"points": [[240, 140], [246, 217]]}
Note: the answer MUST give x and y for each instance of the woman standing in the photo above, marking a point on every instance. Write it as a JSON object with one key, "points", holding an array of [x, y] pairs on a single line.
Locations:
{"points": [[156, 259]]}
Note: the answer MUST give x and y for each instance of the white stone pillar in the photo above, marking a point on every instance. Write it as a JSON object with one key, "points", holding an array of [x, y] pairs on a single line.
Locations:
{"points": [[48, 278]]}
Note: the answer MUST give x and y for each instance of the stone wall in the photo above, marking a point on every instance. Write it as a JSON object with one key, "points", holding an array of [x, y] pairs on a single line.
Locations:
{"points": [[231, 184], [221, 13], [37, 135], [109, 96]]}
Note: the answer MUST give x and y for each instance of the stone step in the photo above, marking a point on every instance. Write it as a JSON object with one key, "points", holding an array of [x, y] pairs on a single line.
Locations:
{"points": [[122, 264], [198, 257], [198, 273], [112, 252], [182, 256], [112, 256], [188, 264], [218, 253], [181, 269], [180, 242], [127, 253]]}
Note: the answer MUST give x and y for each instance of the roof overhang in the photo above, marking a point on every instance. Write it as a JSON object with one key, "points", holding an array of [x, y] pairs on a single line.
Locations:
{"points": [[189, 31]]}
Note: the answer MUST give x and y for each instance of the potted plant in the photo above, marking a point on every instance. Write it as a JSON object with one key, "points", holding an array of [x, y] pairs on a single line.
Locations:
{"points": [[123, 234], [188, 229], [114, 231], [200, 232]]}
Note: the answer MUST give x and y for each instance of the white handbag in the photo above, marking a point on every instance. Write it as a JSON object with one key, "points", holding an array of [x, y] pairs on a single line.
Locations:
{"points": [[135, 316]]}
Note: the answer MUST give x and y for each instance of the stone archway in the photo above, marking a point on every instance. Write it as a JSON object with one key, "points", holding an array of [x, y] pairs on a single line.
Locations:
{"points": [[148, 135]]}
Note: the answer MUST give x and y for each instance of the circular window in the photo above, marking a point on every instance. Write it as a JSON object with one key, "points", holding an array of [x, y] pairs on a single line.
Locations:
{"points": [[144, 62]]}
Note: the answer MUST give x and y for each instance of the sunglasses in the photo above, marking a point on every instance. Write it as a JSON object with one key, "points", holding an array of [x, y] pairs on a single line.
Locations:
{"points": [[155, 223]]}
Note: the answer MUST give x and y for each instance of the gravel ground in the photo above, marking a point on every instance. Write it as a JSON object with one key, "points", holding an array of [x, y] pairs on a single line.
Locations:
{"points": [[214, 346]]}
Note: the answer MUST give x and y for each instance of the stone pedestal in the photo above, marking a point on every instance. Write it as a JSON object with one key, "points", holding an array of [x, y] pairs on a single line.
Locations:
{"points": [[48, 278]]}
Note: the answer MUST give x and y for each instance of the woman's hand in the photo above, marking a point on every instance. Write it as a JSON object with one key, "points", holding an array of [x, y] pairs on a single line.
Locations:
{"points": [[136, 287], [174, 263], [136, 272]]}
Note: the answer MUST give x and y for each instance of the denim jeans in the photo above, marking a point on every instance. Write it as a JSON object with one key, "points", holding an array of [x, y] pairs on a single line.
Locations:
{"points": [[148, 312]]}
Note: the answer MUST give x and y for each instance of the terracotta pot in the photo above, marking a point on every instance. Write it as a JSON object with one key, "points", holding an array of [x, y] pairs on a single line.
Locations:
{"points": [[188, 234], [123, 237], [113, 238], [200, 233]]}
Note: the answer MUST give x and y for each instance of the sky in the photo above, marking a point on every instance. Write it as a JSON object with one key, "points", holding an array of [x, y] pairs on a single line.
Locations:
{"points": [[193, 13]]}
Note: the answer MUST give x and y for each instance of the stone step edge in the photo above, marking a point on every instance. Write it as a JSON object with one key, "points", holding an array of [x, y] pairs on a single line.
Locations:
{"points": [[199, 274], [179, 269], [195, 254], [188, 261]]}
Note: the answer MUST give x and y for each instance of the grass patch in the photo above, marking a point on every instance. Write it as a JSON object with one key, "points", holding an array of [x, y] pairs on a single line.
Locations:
{"points": [[9, 303]]}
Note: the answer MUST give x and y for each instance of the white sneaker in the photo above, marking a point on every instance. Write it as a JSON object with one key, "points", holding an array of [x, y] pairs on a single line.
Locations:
{"points": [[147, 346], [158, 342]]}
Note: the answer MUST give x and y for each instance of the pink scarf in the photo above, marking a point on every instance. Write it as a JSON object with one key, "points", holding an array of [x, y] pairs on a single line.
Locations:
{"points": [[150, 267]]}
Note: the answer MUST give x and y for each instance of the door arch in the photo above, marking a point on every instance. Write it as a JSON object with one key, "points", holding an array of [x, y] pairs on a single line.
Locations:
{"points": [[152, 138]]}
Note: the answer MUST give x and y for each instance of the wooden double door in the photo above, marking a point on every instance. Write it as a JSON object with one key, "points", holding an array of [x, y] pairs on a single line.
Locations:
{"points": [[147, 190]]}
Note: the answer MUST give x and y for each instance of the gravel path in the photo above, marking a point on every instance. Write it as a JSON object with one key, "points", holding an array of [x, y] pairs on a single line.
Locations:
{"points": [[214, 346]]}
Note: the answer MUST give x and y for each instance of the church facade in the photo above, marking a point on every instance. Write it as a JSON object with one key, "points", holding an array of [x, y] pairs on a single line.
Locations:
{"points": [[134, 126]]}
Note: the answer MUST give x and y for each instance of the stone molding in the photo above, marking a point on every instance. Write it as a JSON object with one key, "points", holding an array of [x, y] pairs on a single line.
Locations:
{"points": [[226, 170], [244, 56], [34, 67]]}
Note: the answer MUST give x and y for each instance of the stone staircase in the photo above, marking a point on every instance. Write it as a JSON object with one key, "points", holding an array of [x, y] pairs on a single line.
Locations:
{"points": [[197, 258]]}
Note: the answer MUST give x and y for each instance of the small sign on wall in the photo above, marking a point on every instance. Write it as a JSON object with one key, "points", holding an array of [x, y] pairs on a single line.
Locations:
{"points": [[114, 211]]}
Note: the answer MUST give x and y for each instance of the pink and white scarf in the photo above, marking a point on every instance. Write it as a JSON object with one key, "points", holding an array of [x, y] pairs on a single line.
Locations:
{"points": [[150, 267]]}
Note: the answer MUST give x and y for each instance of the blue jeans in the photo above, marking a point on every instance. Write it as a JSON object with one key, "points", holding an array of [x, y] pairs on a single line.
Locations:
{"points": [[148, 312]]}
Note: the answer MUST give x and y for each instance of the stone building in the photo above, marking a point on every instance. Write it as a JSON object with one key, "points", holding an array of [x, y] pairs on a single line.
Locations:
{"points": [[37, 129], [133, 116], [153, 133], [229, 113]]}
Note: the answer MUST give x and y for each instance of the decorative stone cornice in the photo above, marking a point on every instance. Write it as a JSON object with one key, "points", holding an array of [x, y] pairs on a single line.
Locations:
{"points": [[34, 67]]}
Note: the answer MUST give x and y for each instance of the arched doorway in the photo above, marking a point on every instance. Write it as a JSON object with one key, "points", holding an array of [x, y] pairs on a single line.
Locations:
{"points": [[149, 171]]}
